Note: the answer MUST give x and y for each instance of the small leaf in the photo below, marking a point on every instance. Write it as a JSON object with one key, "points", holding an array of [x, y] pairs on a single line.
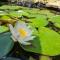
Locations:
{"points": [[7, 19], [3, 29], [2, 13], [57, 25], [18, 14], [55, 20], [7, 7], [39, 21]]}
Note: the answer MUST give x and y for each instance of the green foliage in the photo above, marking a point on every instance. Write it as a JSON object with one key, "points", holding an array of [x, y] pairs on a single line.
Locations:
{"points": [[7, 7], [3, 29], [6, 44], [18, 14], [48, 42], [39, 21], [5, 18], [55, 20], [35, 47], [47, 13], [2, 13]]}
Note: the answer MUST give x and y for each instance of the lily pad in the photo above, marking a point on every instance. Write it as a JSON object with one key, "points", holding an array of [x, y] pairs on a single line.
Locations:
{"points": [[39, 21], [46, 12], [2, 13], [7, 19], [6, 44], [7, 7], [18, 13], [48, 43], [3, 29], [35, 47], [55, 20]]}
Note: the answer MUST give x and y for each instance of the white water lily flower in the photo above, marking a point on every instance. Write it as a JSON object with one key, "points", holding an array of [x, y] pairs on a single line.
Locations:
{"points": [[21, 33]]}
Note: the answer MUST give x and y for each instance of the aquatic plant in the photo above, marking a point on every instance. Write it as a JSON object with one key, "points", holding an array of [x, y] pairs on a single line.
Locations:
{"points": [[30, 30]]}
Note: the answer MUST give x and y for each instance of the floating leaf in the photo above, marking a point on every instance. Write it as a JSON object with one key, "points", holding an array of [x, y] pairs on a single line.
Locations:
{"points": [[57, 25], [55, 20], [48, 42], [2, 13], [3, 29], [47, 13], [7, 7], [7, 19], [17, 14], [6, 44], [39, 21], [35, 47]]}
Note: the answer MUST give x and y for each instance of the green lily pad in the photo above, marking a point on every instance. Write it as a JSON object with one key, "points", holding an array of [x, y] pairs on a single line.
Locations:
{"points": [[46, 12], [47, 43], [2, 13], [35, 47], [39, 21], [55, 20], [18, 14], [50, 41], [7, 19], [6, 44], [3, 29], [7, 7]]}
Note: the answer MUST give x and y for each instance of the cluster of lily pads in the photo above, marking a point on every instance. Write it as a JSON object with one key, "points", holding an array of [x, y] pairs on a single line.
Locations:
{"points": [[45, 26]]}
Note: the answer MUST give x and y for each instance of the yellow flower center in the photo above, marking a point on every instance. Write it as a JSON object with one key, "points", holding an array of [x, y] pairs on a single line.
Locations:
{"points": [[22, 32]]}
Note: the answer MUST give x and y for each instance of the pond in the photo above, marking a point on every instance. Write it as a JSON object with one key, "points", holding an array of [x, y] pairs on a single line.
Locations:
{"points": [[29, 33]]}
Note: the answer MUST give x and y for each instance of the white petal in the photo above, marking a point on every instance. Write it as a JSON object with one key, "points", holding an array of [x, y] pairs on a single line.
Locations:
{"points": [[13, 38], [29, 32], [14, 33], [11, 29], [26, 43], [21, 41], [20, 25], [29, 38]]}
